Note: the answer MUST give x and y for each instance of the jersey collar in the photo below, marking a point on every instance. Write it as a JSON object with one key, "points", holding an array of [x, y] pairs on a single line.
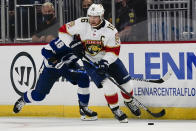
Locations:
{"points": [[101, 25]]}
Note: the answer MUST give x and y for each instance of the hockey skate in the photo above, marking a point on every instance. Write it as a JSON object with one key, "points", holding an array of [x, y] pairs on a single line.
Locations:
{"points": [[18, 105], [119, 115], [133, 107], [87, 114]]}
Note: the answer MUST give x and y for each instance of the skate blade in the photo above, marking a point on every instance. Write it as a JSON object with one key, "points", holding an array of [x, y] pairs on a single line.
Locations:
{"points": [[86, 118], [124, 121]]}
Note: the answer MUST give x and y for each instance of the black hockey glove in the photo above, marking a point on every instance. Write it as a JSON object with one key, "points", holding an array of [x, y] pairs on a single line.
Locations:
{"points": [[52, 61], [77, 48], [103, 67]]}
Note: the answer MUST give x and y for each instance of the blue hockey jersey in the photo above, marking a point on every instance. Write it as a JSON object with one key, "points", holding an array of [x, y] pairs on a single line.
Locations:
{"points": [[58, 50]]}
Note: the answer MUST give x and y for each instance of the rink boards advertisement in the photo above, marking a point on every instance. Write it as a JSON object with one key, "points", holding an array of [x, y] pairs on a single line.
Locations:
{"points": [[153, 61], [20, 69]]}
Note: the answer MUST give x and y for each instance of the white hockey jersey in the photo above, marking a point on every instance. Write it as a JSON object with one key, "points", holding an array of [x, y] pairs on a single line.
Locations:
{"points": [[102, 43]]}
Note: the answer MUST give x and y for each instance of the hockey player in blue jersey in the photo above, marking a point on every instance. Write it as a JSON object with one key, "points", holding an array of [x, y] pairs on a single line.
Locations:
{"points": [[59, 60]]}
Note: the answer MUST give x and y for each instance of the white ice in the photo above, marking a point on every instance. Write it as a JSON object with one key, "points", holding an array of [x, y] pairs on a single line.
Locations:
{"points": [[70, 124]]}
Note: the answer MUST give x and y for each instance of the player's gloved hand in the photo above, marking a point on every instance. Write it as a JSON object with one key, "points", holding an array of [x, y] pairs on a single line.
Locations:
{"points": [[103, 67], [67, 60], [52, 60], [78, 48]]}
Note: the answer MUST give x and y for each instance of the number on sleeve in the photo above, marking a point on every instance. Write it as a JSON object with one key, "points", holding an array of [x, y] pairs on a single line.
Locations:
{"points": [[110, 26], [84, 20], [59, 44]]}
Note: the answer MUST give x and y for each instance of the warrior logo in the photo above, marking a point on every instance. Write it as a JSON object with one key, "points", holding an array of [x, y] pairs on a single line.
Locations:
{"points": [[93, 46], [23, 73]]}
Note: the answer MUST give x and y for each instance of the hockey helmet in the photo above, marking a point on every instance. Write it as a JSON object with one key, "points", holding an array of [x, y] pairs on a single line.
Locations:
{"points": [[96, 10]]}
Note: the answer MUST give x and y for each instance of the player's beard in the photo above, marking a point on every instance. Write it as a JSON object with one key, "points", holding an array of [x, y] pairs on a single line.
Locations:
{"points": [[96, 24]]}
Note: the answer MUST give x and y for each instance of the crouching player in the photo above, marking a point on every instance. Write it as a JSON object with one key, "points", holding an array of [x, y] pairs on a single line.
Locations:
{"points": [[59, 61]]}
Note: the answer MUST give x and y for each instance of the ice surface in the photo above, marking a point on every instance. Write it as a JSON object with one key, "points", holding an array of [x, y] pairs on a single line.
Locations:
{"points": [[70, 124]]}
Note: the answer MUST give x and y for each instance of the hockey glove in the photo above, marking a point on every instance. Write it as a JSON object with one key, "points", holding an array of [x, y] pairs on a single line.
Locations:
{"points": [[77, 48], [52, 60], [103, 67]]}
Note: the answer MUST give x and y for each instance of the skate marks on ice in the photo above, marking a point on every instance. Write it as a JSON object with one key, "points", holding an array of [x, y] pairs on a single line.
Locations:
{"points": [[70, 124]]}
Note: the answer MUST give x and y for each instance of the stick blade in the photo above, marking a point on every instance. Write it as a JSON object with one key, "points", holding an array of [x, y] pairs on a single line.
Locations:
{"points": [[160, 114], [157, 81]]}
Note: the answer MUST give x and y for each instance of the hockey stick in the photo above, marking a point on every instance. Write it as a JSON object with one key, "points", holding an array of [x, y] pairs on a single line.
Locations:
{"points": [[159, 81], [159, 114], [163, 79]]}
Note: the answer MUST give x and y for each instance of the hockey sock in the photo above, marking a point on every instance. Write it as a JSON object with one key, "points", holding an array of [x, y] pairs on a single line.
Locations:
{"points": [[110, 93], [112, 100], [28, 97], [33, 96], [126, 97], [83, 96], [128, 87]]}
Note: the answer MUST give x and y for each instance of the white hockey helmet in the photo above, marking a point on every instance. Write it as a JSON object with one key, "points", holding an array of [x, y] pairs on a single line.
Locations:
{"points": [[96, 10]]}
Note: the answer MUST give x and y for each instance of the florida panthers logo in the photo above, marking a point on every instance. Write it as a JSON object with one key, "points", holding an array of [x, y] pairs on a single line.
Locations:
{"points": [[93, 46]]}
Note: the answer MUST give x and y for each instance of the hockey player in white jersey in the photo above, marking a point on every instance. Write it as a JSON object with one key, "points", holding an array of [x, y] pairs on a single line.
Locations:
{"points": [[100, 42]]}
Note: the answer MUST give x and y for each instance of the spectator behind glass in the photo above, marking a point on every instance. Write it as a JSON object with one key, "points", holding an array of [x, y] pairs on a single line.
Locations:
{"points": [[130, 16], [85, 5], [47, 29], [124, 15], [138, 29]]}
